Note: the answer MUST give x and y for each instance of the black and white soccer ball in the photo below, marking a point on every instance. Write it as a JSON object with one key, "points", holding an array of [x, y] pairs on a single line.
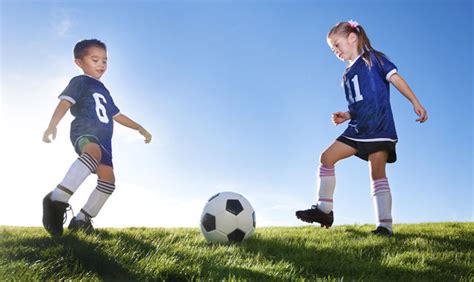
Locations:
{"points": [[227, 217]]}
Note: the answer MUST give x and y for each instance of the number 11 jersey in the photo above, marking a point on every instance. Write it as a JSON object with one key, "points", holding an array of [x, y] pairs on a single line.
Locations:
{"points": [[367, 92]]}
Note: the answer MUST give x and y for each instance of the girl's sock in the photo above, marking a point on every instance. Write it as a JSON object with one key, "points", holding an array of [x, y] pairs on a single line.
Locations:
{"points": [[382, 197], [326, 187]]}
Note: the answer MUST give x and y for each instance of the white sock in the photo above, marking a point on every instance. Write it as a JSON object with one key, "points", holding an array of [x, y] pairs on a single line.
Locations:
{"points": [[98, 198], [77, 173], [382, 202], [326, 187]]}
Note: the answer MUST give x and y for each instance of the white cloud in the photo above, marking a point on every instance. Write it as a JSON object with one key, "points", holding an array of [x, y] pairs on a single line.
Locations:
{"points": [[61, 21]]}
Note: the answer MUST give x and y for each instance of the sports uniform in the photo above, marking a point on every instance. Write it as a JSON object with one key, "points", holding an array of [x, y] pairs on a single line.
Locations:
{"points": [[367, 91], [93, 109]]}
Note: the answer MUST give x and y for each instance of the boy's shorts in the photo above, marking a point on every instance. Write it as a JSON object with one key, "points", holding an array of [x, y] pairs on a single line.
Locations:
{"points": [[364, 149], [81, 141]]}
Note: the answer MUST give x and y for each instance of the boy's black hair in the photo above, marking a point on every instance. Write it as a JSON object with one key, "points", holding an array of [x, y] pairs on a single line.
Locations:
{"points": [[81, 47]]}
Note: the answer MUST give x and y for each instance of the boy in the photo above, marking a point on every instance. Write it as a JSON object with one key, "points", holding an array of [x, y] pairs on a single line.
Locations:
{"points": [[91, 135]]}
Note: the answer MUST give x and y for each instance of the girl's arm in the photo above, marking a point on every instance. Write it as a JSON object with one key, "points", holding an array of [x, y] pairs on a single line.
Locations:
{"points": [[128, 122], [340, 117], [403, 87], [58, 114]]}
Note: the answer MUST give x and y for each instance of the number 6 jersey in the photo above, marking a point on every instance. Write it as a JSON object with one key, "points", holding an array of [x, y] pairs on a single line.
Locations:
{"points": [[93, 109], [367, 91]]}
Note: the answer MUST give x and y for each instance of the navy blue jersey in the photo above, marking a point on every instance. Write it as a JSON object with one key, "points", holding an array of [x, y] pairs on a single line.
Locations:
{"points": [[93, 109], [367, 91]]}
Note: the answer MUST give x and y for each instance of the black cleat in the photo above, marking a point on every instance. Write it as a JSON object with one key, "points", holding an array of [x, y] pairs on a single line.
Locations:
{"points": [[81, 225], [54, 215], [316, 215], [382, 231]]}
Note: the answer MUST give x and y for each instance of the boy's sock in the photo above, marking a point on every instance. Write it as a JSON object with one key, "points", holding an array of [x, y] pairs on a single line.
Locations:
{"points": [[97, 199], [326, 186], [77, 173], [382, 202]]}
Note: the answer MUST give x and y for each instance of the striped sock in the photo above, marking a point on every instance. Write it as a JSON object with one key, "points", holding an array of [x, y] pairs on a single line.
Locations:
{"points": [[382, 197], [326, 187], [98, 198], [77, 173]]}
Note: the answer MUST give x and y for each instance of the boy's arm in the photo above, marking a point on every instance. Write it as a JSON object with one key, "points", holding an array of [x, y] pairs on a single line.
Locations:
{"points": [[58, 114], [128, 122], [403, 87]]}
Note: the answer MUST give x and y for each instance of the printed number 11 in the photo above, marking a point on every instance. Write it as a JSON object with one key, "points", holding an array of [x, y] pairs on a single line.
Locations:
{"points": [[357, 97]]}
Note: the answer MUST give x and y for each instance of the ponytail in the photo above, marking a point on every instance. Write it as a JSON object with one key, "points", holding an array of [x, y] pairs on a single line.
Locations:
{"points": [[365, 47]]}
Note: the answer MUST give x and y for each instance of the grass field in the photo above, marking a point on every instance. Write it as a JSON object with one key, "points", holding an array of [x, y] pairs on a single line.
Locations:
{"points": [[417, 252]]}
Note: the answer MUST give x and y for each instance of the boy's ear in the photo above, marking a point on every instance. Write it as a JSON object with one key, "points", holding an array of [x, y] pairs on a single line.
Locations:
{"points": [[78, 62]]}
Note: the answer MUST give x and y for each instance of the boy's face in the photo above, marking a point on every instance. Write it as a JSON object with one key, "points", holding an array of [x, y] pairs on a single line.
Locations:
{"points": [[94, 62]]}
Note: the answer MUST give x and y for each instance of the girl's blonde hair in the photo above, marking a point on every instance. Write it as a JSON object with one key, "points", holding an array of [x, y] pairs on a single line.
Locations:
{"points": [[364, 46]]}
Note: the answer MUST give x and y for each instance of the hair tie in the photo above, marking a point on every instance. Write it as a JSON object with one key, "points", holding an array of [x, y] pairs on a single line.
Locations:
{"points": [[354, 24]]}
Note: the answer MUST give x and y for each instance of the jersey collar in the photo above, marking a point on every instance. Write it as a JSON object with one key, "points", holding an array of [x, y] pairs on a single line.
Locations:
{"points": [[91, 77], [356, 59]]}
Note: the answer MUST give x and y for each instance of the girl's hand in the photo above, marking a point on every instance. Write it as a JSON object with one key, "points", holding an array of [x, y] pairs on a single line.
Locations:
{"points": [[145, 133], [340, 117], [421, 112], [49, 131]]}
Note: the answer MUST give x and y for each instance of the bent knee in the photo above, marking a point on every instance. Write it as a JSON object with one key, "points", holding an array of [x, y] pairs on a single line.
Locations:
{"points": [[94, 150], [327, 159]]}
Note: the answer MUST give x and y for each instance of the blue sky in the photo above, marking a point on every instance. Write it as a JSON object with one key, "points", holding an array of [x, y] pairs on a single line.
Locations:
{"points": [[238, 96]]}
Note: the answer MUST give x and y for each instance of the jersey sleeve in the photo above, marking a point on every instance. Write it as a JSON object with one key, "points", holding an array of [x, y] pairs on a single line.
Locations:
{"points": [[73, 91], [114, 110], [387, 68]]}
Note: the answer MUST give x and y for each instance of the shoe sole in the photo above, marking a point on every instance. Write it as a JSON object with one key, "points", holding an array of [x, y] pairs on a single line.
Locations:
{"points": [[312, 220]]}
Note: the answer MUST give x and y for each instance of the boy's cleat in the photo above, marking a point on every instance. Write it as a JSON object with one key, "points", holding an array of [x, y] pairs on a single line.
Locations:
{"points": [[54, 215], [316, 215], [81, 225], [382, 231]]}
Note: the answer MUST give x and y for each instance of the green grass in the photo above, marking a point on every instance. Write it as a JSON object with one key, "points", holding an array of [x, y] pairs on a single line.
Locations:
{"points": [[417, 252]]}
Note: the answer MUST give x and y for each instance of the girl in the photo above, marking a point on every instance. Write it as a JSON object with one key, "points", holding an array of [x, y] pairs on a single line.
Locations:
{"points": [[371, 133]]}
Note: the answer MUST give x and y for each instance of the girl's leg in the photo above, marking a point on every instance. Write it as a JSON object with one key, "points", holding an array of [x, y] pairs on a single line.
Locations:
{"points": [[326, 176], [81, 168], [322, 212], [381, 193]]}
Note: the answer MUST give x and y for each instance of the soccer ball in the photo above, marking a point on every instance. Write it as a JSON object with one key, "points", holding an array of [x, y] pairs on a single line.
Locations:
{"points": [[227, 217]]}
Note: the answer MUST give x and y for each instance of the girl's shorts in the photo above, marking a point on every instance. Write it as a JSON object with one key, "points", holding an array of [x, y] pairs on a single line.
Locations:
{"points": [[364, 149]]}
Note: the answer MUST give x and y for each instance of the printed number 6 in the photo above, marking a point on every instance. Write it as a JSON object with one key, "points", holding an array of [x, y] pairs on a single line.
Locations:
{"points": [[100, 108]]}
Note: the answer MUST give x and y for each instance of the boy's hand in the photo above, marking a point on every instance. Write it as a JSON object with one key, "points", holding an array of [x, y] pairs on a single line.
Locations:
{"points": [[49, 131], [145, 133], [340, 117], [421, 112]]}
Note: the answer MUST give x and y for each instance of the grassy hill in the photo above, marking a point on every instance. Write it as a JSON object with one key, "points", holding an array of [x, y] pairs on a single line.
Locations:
{"points": [[417, 252]]}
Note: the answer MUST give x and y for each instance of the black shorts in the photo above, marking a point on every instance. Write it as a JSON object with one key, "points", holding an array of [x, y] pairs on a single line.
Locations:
{"points": [[364, 149]]}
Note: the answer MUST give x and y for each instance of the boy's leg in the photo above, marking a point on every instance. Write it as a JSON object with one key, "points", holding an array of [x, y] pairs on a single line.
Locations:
{"points": [[322, 212], [55, 203], [105, 187], [381, 193], [85, 165]]}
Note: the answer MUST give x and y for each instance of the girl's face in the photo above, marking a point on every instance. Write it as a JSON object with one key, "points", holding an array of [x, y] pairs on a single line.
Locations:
{"points": [[345, 48], [94, 62]]}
